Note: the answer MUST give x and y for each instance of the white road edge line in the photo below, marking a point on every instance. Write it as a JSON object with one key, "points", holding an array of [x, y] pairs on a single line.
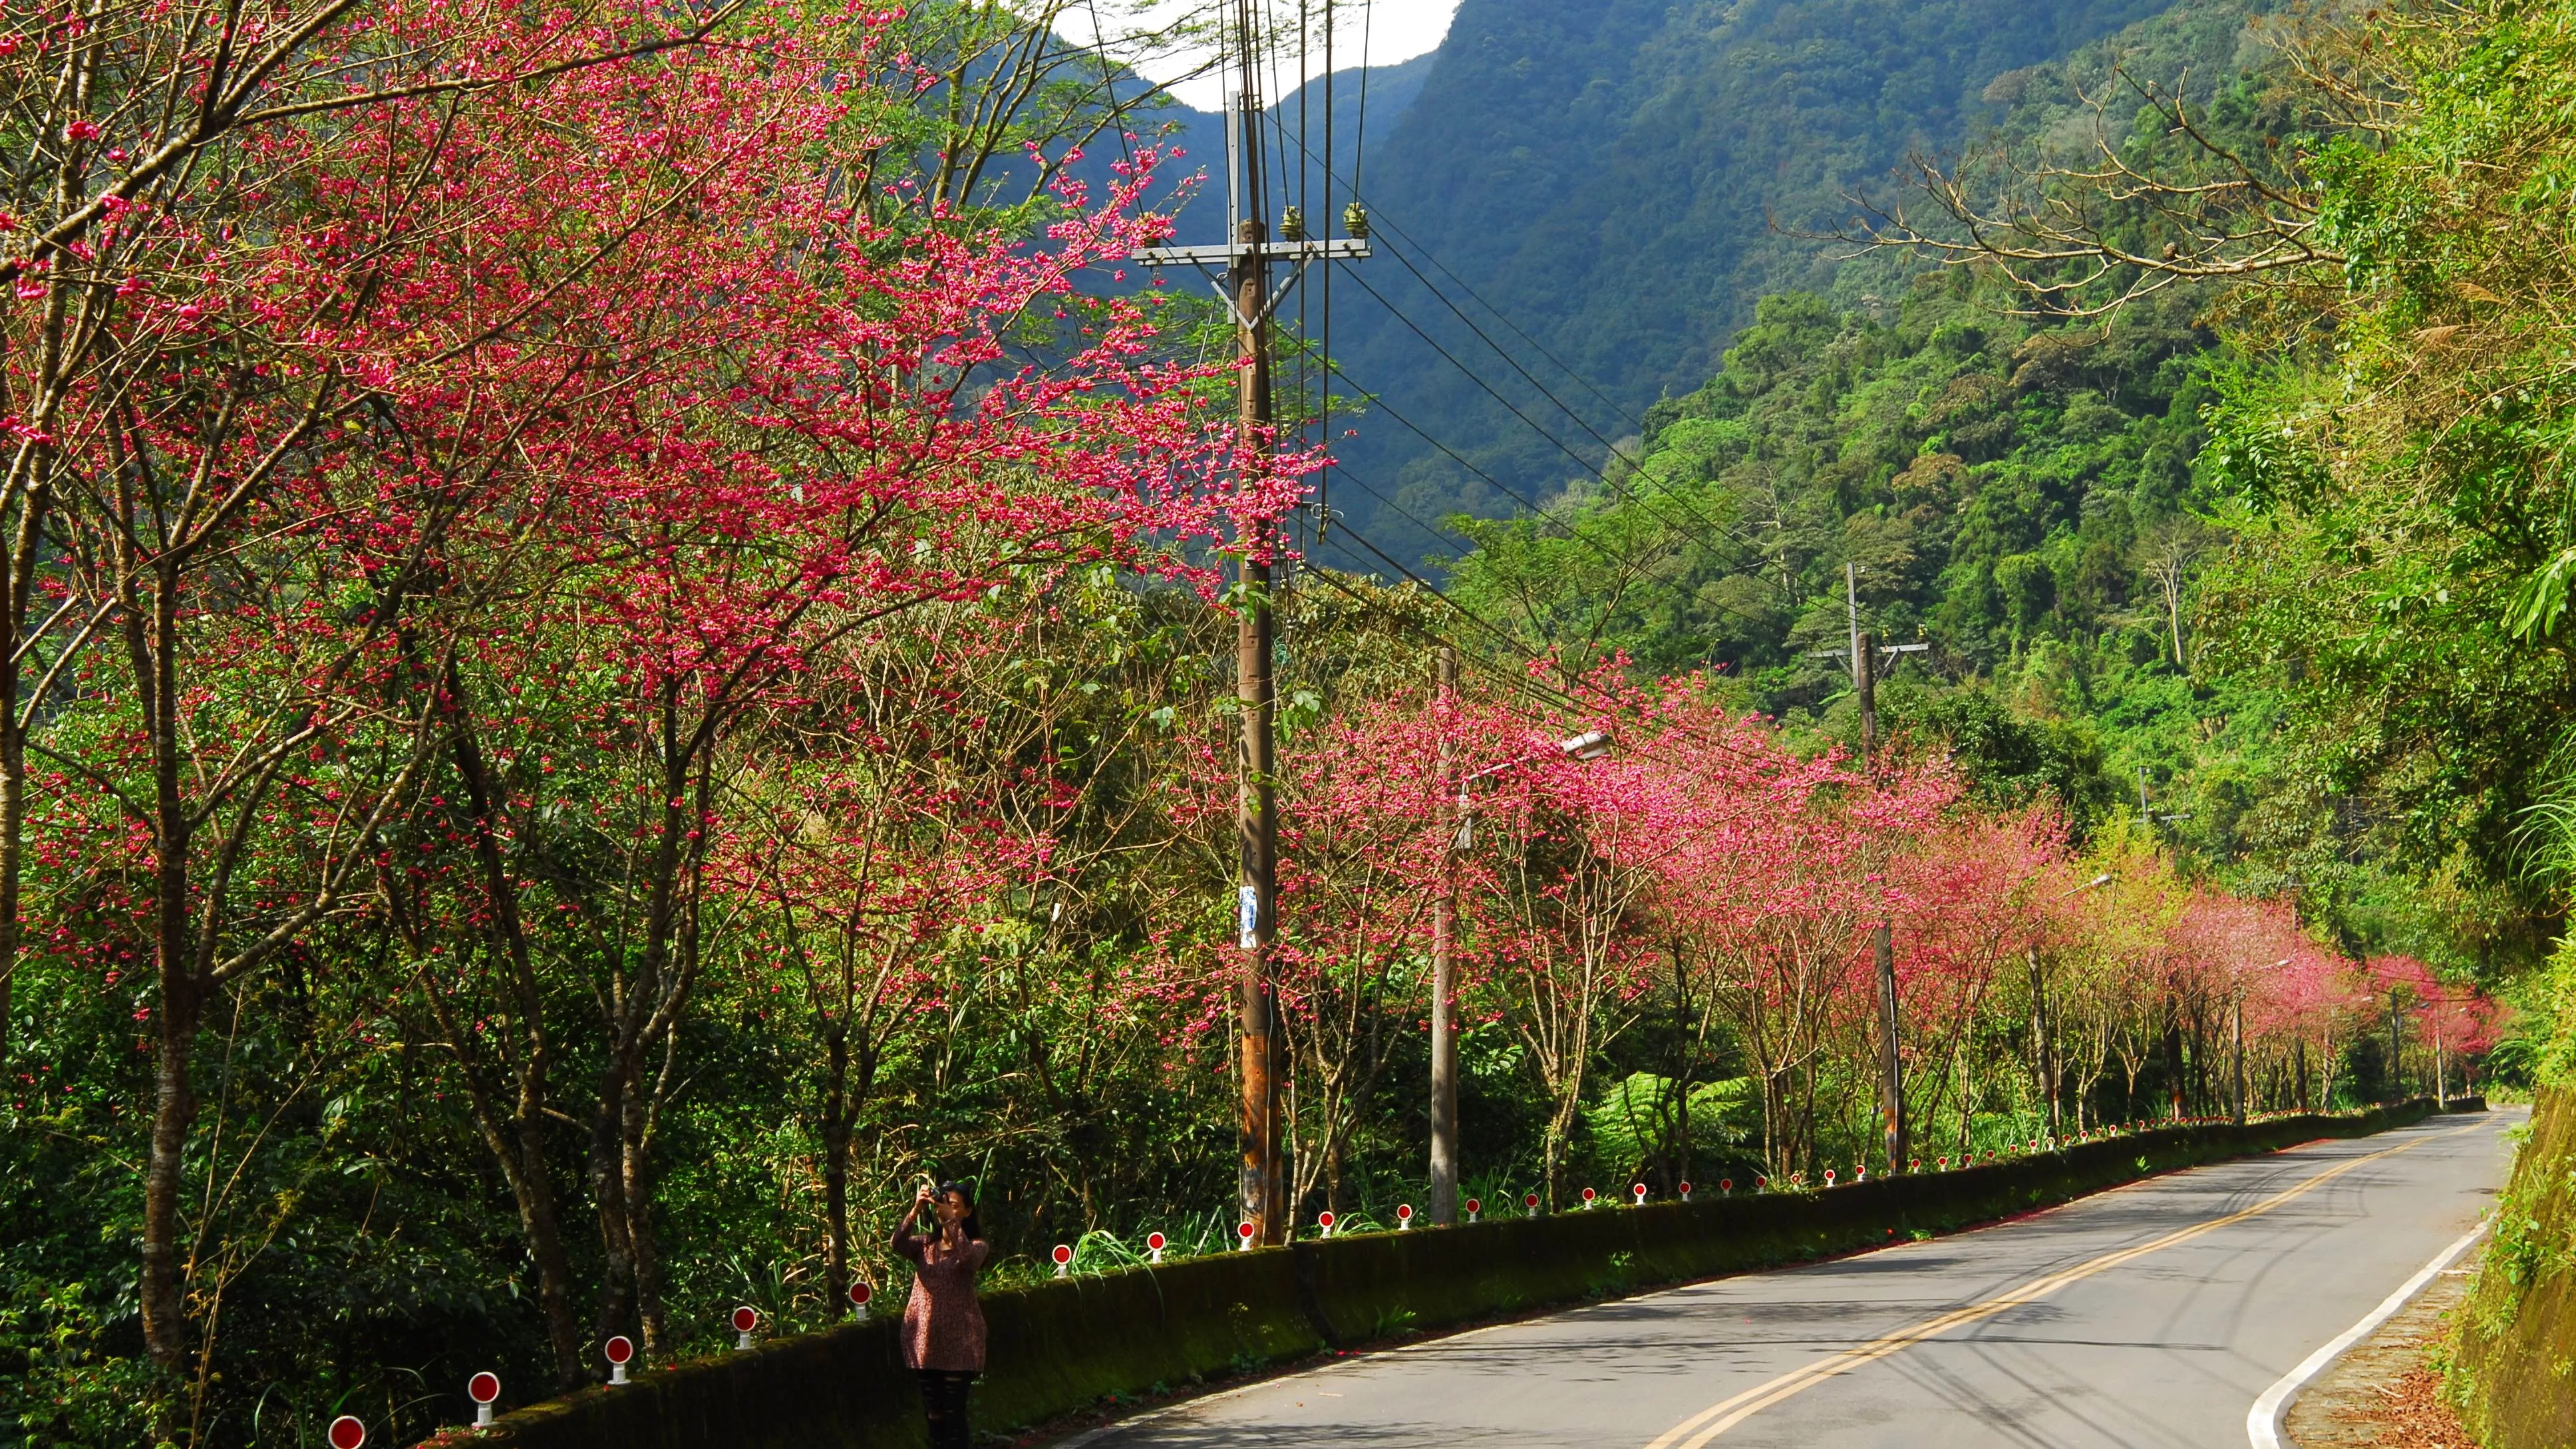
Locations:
{"points": [[2263, 1422]]}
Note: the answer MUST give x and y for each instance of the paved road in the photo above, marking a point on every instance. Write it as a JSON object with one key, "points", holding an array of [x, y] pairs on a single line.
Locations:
{"points": [[2152, 1315]]}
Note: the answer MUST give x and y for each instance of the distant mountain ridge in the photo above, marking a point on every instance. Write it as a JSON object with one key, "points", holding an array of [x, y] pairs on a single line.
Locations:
{"points": [[1624, 179]]}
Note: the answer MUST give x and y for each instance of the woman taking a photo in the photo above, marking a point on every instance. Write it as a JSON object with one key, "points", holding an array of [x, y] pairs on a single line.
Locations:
{"points": [[943, 1326]]}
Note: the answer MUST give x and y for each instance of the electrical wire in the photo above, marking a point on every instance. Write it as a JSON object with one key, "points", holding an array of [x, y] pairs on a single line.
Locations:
{"points": [[1539, 516], [1561, 699], [1503, 317], [1526, 375], [1117, 107], [1600, 475]]}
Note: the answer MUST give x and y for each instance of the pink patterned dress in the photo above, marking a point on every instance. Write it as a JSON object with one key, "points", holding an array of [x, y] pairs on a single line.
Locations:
{"points": [[943, 1326]]}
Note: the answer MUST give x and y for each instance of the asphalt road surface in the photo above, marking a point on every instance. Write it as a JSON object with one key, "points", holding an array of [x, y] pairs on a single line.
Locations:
{"points": [[2151, 1315]]}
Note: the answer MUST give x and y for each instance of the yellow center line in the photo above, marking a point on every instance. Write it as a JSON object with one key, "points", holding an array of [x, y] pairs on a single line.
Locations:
{"points": [[1708, 1423]]}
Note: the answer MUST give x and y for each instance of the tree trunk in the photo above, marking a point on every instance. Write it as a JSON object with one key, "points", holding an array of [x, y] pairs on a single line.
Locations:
{"points": [[522, 1151], [836, 1163], [166, 1333], [608, 1192]]}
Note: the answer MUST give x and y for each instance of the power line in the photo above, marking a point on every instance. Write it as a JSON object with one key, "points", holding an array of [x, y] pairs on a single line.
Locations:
{"points": [[1508, 360], [1536, 514], [1416, 328], [1560, 699], [1499, 315], [1505, 318], [1600, 475]]}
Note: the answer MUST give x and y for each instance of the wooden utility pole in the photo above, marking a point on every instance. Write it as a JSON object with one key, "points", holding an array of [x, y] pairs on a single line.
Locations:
{"points": [[1891, 1079], [1865, 682], [1862, 684], [1891, 1065], [1256, 808], [1444, 980], [1245, 288], [2396, 1075], [2236, 1036]]}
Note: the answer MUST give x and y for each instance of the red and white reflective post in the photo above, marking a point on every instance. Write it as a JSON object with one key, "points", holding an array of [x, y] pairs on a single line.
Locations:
{"points": [[1154, 1245], [347, 1433], [860, 1293], [485, 1390], [1063, 1259], [1473, 1207], [619, 1351], [745, 1319], [1403, 1216]]}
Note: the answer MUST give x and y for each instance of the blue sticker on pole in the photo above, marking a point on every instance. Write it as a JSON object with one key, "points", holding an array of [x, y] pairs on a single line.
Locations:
{"points": [[1247, 916]]}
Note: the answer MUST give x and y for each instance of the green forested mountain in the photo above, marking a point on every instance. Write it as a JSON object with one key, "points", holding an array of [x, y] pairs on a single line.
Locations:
{"points": [[2111, 602], [1624, 181]]}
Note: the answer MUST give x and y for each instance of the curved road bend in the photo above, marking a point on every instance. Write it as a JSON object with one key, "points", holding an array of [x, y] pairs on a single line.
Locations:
{"points": [[2150, 1315]]}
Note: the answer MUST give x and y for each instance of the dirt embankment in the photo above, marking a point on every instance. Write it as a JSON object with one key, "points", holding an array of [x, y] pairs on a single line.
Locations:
{"points": [[2387, 1392]]}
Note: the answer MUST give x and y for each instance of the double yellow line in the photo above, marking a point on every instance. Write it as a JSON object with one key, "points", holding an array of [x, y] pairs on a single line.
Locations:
{"points": [[1716, 1419]]}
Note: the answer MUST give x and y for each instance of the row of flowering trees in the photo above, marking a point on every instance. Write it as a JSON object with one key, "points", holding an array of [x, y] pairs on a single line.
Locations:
{"points": [[1712, 894]]}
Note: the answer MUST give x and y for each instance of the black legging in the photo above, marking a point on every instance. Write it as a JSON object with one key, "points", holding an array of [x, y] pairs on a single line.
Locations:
{"points": [[943, 1406]]}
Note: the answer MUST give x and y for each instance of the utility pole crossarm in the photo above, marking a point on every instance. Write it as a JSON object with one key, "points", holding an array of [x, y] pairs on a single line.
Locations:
{"points": [[1225, 255], [1255, 255]]}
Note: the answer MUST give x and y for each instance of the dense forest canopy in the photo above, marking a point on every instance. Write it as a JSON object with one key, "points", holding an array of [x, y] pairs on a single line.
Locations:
{"points": [[578, 717]]}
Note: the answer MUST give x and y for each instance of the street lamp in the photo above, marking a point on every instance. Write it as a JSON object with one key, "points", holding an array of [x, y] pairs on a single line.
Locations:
{"points": [[1589, 745], [2236, 1030], [2043, 1059]]}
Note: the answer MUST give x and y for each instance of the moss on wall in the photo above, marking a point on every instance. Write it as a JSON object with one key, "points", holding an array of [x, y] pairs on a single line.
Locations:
{"points": [[1062, 1345], [2516, 1365]]}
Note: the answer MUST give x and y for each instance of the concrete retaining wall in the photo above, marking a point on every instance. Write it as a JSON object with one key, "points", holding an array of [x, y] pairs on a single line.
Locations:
{"points": [[1064, 1344]]}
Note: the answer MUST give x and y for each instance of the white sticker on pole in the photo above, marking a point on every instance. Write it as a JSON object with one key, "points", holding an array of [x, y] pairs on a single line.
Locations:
{"points": [[1247, 916]]}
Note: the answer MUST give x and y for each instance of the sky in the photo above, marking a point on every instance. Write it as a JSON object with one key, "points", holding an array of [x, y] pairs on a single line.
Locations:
{"points": [[1396, 30]]}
